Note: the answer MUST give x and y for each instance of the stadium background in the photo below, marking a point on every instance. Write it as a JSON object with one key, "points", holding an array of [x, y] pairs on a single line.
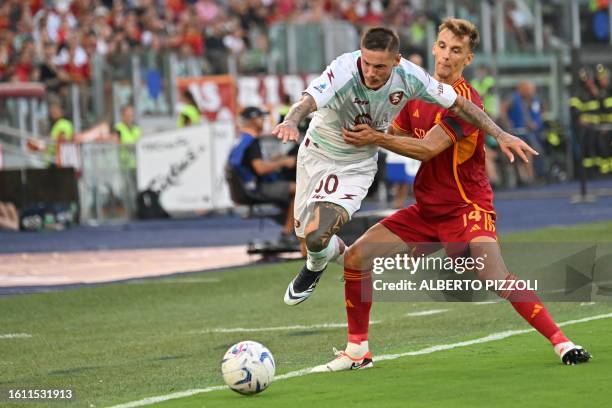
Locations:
{"points": [[82, 222]]}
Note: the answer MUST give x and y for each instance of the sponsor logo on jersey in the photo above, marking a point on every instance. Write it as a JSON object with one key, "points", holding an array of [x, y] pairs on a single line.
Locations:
{"points": [[330, 75], [440, 89], [321, 87], [420, 133], [318, 196], [415, 114], [396, 97], [358, 101], [348, 196], [363, 119]]}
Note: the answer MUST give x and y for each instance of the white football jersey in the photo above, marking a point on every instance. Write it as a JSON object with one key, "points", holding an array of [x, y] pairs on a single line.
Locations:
{"points": [[343, 100]]}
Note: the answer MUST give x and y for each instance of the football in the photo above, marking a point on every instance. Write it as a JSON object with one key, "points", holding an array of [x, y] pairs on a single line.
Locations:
{"points": [[248, 367]]}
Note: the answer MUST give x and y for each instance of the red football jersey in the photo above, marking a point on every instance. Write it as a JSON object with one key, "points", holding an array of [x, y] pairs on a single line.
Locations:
{"points": [[456, 178]]}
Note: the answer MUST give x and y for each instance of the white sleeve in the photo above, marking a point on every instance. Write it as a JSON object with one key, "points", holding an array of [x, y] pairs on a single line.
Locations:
{"points": [[324, 87], [442, 94], [428, 88]]}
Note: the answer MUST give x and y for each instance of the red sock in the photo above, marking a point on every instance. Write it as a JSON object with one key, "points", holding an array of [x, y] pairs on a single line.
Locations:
{"points": [[358, 302], [529, 306]]}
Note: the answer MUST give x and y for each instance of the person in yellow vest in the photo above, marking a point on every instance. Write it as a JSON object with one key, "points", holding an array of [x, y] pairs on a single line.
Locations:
{"points": [[127, 133], [62, 131], [189, 113]]}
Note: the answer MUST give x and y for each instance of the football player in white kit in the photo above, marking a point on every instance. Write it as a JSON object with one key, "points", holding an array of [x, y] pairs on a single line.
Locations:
{"points": [[370, 87]]}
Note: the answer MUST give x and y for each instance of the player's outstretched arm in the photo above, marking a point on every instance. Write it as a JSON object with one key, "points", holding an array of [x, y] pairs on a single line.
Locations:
{"points": [[288, 129], [508, 143], [434, 142]]}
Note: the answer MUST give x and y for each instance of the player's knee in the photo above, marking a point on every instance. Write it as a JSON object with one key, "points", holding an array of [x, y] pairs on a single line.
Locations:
{"points": [[353, 258], [316, 241]]}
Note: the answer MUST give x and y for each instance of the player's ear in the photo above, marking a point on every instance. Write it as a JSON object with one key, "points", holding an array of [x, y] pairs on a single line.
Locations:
{"points": [[398, 58], [469, 59]]}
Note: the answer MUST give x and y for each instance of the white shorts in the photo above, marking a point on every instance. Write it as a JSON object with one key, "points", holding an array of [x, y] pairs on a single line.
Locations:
{"points": [[322, 179]]}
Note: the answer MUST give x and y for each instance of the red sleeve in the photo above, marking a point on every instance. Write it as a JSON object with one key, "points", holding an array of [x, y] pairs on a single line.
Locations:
{"points": [[456, 127], [402, 120]]}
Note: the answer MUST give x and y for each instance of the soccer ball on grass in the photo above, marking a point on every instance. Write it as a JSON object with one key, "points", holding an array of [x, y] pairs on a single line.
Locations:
{"points": [[248, 367]]}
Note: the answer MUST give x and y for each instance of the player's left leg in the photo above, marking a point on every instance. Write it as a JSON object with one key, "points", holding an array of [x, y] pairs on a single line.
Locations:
{"points": [[526, 302]]}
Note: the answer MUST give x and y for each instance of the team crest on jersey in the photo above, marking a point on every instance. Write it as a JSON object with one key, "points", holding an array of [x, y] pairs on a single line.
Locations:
{"points": [[396, 97], [363, 119]]}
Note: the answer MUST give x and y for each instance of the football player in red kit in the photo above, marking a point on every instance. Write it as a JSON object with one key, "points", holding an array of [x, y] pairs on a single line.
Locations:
{"points": [[454, 203]]}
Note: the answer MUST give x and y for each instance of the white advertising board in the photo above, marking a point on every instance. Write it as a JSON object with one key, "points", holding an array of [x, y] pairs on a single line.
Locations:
{"points": [[186, 166]]}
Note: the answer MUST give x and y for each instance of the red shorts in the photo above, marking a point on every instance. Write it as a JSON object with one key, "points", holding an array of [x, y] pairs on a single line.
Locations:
{"points": [[453, 233]]}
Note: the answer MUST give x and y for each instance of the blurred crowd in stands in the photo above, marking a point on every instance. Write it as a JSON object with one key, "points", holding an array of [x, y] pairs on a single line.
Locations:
{"points": [[55, 40]]}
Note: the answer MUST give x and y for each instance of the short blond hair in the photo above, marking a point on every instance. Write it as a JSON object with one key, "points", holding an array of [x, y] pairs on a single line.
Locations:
{"points": [[461, 28]]}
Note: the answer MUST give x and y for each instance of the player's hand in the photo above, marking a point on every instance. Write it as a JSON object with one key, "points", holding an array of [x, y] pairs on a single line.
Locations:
{"points": [[361, 135], [510, 144], [286, 131]]}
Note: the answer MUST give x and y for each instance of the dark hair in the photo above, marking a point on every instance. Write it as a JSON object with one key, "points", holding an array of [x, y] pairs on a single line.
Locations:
{"points": [[380, 39], [461, 28], [189, 96]]}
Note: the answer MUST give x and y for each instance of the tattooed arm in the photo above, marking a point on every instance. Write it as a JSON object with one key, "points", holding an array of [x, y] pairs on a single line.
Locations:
{"points": [[508, 143], [288, 129]]}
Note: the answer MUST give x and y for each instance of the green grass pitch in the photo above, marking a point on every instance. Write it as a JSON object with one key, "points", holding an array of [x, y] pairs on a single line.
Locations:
{"points": [[122, 342]]}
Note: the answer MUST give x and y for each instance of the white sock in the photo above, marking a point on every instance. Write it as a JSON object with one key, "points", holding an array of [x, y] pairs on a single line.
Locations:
{"points": [[335, 246], [355, 350], [562, 348], [335, 243], [317, 261]]}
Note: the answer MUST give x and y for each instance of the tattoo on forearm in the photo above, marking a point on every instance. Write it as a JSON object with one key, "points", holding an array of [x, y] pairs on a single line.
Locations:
{"points": [[301, 109], [473, 114]]}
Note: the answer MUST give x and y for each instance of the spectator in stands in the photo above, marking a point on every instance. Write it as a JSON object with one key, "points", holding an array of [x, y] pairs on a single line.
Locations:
{"points": [[519, 22], [189, 113], [522, 114], [216, 51], [62, 131], [260, 175], [53, 76]]}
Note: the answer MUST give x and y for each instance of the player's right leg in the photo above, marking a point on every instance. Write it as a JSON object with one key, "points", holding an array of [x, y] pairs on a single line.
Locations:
{"points": [[327, 195], [322, 246], [377, 242]]}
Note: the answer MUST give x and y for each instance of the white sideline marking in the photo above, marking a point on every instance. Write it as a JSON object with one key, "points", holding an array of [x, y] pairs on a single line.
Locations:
{"points": [[173, 281], [587, 303], [426, 312], [15, 336], [280, 328], [488, 302], [305, 371]]}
